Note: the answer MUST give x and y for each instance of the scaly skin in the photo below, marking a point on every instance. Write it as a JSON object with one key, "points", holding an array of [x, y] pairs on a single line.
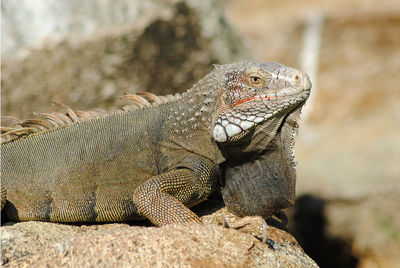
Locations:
{"points": [[153, 162], [264, 184]]}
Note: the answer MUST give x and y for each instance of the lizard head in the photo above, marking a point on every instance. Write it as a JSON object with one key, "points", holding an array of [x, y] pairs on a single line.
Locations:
{"points": [[254, 93]]}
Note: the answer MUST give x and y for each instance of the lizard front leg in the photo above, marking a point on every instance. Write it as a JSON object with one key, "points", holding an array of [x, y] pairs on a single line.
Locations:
{"points": [[164, 198]]}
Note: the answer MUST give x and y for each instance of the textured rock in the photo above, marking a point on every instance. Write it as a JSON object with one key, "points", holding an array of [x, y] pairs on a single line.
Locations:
{"points": [[40, 244], [156, 46]]}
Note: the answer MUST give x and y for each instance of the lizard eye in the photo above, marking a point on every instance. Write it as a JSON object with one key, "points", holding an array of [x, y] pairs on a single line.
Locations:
{"points": [[255, 80]]}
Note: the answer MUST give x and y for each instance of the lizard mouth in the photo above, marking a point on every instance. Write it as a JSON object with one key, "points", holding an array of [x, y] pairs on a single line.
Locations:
{"points": [[276, 95], [249, 112]]}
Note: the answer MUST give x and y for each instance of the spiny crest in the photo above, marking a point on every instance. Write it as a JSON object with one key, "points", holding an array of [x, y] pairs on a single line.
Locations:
{"points": [[47, 121], [19, 128], [146, 99]]}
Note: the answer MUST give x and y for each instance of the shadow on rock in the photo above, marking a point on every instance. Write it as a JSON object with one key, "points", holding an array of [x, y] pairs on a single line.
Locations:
{"points": [[308, 226]]}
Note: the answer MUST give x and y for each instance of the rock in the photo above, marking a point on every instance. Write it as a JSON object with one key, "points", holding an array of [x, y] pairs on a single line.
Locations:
{"points": [[88, 60], [42, 244]]}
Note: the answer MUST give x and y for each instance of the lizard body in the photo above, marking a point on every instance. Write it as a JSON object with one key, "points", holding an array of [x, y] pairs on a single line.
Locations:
{"points": [[153, 160]]}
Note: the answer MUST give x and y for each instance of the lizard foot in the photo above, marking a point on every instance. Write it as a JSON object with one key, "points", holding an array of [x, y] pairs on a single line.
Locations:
{"points": [[254, 225]]}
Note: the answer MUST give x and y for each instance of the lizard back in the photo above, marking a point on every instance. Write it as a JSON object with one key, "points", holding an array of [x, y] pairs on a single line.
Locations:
{"points": [[89, 168]]}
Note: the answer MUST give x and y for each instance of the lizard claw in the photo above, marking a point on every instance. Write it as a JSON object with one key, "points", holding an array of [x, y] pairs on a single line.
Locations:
{"points": [[271, 243], [224, 221], [281, 215], [265, 232]]}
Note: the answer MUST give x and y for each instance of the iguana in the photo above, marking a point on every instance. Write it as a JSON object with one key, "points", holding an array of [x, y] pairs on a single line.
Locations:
{"points": [[156, 158]]}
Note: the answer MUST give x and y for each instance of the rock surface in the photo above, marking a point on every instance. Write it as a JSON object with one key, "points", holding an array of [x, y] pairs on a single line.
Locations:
{"points": [[96, 55], [41, 244]]}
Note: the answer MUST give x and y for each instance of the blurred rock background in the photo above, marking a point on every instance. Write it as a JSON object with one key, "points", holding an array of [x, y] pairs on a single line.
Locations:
{"points": [[348, 149], [87, 54]]}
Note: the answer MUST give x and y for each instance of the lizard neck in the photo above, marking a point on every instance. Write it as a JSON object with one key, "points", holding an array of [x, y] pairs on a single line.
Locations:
{"points": [[191, 118], [196, 110]]}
